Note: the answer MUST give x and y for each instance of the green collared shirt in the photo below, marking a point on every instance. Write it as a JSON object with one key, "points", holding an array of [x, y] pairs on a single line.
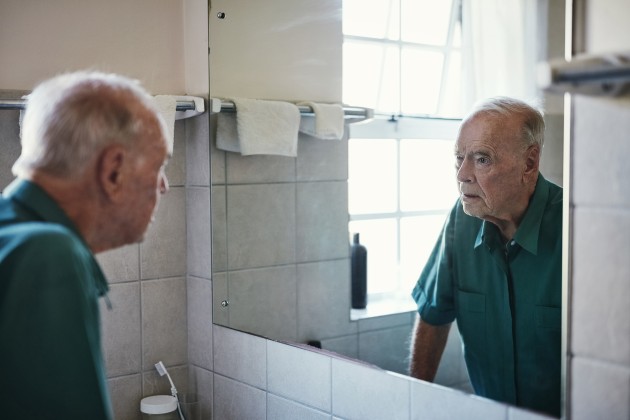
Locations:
{"points": [[506, 299], [51, 365]]}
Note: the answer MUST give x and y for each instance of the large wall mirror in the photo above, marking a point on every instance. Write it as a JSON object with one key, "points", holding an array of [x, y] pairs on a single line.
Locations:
{"points": [[281, 233]]}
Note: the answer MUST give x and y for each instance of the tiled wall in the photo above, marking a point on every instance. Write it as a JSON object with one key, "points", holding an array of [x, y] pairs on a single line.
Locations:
{"points": [[155, 304], [600, 325], [155, 285], [280, 246], [256, 378], [280, 256]]}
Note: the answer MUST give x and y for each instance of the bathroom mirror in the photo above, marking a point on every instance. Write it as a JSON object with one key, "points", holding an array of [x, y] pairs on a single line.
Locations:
{"points": [[280, 260]]}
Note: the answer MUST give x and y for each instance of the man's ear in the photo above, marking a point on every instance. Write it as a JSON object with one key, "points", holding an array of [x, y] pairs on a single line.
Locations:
{"points": [[111, 171], [532, 160]]}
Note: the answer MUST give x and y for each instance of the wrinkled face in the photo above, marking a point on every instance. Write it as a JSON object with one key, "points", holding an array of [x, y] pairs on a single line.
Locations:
{"points": [[491, 163], [147, 182]]}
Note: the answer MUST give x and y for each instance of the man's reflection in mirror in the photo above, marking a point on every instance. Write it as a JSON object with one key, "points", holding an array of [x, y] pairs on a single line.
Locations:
{"points": [[496, 266]]}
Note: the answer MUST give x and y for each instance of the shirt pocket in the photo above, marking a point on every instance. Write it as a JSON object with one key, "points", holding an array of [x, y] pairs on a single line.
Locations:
{"points": [[471, 318], [548, 349], [548, 318]]}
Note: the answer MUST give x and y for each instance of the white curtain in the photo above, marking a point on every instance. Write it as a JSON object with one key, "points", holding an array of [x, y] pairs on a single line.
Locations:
{"points": [[500, 42]]}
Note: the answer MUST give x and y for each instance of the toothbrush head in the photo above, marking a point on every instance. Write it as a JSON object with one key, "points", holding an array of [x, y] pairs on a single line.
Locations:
{"points": [[159, 366]]}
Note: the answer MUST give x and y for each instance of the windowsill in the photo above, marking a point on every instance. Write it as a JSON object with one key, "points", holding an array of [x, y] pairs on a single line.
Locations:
{"points": [[383, 307]]}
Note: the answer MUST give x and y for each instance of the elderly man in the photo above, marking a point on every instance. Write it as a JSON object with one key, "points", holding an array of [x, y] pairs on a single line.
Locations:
{"points": [[496, 267], [89, 179]]}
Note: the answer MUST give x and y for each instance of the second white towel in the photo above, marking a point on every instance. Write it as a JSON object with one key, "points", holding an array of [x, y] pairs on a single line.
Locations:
{"points": [[328, 123], [259, 128]]}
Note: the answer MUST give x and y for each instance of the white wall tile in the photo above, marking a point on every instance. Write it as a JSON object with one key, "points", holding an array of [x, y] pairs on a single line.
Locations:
{"points": [[599, 390], [219, 229], [220, 313], [121, 330], [235, 400], [347, 345], [176, 168], [201, 382], [601, 127], [323, 318], [121, 264], [164, 329], [264, 301], [298, 374], [199, 248], [197, 151], [217, 157], [383, 322], [125, 394], [601, 290], [319, 160], [259, 215], [240, 356], [322, 221], [365, 393], [163, 252], [429, 401], [388, 348], [199, 305], [282, 409], [259, 169], [154, 384]]}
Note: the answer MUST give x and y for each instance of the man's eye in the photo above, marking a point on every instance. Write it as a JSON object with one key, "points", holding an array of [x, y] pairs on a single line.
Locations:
{"points": [[483, 160]]}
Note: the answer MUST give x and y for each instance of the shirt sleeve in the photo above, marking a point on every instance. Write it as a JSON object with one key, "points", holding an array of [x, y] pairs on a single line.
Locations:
{"points": [[51, 358], [434, 291]]}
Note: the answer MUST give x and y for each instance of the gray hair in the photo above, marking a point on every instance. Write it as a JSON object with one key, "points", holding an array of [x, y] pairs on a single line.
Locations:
{"points": [[533, 130], [71, 117]]}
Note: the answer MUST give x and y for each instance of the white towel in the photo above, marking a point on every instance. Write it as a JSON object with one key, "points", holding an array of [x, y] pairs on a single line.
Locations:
{"points": [[166, 105], [259, 128], [328, 123]]}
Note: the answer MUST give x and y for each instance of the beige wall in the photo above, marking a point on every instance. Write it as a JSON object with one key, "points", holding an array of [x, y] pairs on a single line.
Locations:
{"points": [[163, 43]]}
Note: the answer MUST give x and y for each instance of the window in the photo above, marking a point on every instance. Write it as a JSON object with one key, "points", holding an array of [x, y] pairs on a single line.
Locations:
{"points": [[403, 59]]}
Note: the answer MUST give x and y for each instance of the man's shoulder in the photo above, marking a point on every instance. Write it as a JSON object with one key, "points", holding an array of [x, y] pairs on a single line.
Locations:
{"points": [[38, 236]]}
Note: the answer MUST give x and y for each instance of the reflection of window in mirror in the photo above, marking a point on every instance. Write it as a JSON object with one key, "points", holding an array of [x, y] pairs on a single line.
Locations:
{"points": [[402, 58]]}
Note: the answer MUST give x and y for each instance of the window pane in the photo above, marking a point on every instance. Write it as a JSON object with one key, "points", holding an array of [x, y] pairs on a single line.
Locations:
{"points": [[372, 173], [371, 76], [427, 180], [452, 97], [380, 238], [417, 239], [420, 80], [374, 19], [425, 21]]}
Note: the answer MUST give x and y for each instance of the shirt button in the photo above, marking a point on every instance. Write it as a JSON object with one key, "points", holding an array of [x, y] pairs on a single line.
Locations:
{"points": [[513, 243]]}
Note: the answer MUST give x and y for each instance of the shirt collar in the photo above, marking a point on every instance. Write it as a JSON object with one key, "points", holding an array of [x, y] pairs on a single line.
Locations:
{"points": [[34, 199], [529, 230]]}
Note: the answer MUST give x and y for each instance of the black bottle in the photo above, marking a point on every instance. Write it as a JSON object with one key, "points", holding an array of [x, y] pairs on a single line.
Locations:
{"points": [[358, 260]]}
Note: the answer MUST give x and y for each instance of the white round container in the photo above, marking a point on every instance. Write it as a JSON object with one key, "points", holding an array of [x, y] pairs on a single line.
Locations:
{"points": [[159, 407]]}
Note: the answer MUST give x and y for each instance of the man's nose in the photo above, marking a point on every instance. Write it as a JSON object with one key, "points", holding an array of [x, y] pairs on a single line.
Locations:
{"points": [[164, 185], [464, 173]]}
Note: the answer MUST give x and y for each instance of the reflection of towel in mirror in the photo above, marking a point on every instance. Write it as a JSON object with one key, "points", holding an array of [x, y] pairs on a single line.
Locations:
{"points": [[328, 123], [167, 105], [259, 128]]}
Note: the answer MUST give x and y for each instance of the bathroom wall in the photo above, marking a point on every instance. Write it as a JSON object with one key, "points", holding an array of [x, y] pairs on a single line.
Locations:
{"points": [[154, 286], [599, 336]]}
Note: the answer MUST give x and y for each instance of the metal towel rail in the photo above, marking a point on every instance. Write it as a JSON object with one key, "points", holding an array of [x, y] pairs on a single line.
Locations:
{"points": [[350, 112], [21, 104]]}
